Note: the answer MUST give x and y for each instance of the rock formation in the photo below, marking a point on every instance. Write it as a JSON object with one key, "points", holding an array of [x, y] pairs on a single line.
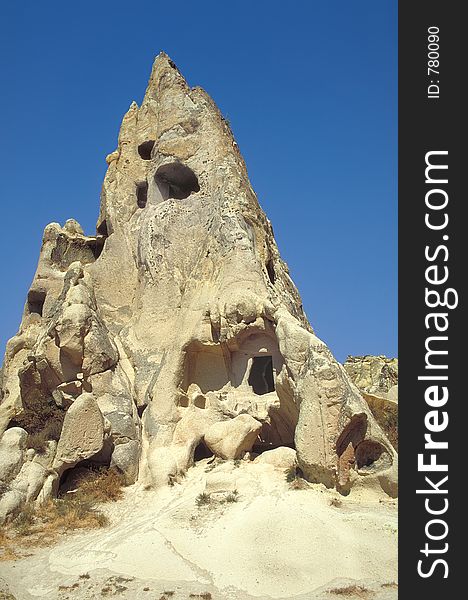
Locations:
{"points": [[376, 377], [176, 330]]}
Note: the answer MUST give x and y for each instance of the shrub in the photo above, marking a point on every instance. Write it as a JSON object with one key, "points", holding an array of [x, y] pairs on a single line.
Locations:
{"points": [[290, 474], [233, 496], [203, 499], [38, 439]]}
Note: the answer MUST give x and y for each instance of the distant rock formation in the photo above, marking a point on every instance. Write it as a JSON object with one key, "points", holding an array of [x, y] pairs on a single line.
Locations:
{"points": [[176, 330], [376, 377]]}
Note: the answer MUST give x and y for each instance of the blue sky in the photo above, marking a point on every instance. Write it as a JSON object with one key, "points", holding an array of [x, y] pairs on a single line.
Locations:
{"points": [[310, 90]]}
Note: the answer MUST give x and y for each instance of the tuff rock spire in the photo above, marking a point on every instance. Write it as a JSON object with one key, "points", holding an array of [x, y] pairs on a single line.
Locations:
{"points": [[176, 327]]}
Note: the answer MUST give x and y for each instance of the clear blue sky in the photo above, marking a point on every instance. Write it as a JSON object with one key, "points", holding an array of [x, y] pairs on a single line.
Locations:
{"points": [[310, 89]]}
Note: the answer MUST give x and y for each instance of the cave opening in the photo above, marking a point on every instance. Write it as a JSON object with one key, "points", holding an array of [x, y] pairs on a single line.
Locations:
{"points": [[175, 180], [103, 229], [36, 300], [202, 451], [353, 433], [271, 271], [142, 193], [261, 375], [145, 149], [85, 473], [367, 453]]}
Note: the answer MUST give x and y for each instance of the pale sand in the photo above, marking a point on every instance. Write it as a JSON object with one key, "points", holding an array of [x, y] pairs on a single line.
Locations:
{"points": [[273, 542]]}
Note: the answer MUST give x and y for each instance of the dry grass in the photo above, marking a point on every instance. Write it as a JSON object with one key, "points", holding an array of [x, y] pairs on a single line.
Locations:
{"points": [[38, 439], [42, 525], [354, 591], [102, 485], [202, 596]]}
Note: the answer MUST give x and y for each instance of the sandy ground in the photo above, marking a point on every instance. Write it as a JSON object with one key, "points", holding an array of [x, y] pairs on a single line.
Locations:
{"points": [[274, 542]]}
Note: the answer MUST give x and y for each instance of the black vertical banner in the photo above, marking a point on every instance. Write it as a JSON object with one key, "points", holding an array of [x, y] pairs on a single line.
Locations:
{"points": [[433, 349]]}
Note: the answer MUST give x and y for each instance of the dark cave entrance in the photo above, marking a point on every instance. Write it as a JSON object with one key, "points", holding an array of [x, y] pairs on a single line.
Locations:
{"points": [[271, 271], [86, 471], [142, 194], [36, 299], [176, 180], [261, 375], [202, 451], [145, 149], [103, 229]]}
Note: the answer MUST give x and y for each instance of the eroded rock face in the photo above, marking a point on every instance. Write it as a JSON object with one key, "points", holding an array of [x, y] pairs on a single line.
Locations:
{"points": [[376, 377], [179, 317]]}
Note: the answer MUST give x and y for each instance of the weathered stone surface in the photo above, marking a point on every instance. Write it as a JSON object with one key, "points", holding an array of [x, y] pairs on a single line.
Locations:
{"points": [[12, 453], [125, 458], [281, 458], [231, 439], [82, 434], [373, 374], [377, 379], [177, 324]]}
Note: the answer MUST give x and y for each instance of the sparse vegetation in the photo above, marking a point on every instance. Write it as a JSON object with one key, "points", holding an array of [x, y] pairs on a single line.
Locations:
{"points": [[336, 502], [43, 422], [99, 485], [356, 591], [113, 585], [295, 481], [232, 496], [202, 596], [203, 499], [38, 439], [40, 526], [391, 584], [290, 474]]}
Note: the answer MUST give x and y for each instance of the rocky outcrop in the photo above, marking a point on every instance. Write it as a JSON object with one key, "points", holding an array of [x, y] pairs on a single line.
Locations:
{"points": [[176, 328], [374, 374], [376, 377]]}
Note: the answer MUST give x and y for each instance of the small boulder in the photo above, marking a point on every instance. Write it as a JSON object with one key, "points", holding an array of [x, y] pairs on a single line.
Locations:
{"points": [[82, 433], [126, 457], [280, 458], [231, 439], [12, 452]]}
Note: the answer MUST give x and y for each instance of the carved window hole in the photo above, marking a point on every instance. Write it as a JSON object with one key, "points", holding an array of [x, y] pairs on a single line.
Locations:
{"points": [[261, 375], [176, 180], [145, 149], [142, 194], [36, 299]]}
